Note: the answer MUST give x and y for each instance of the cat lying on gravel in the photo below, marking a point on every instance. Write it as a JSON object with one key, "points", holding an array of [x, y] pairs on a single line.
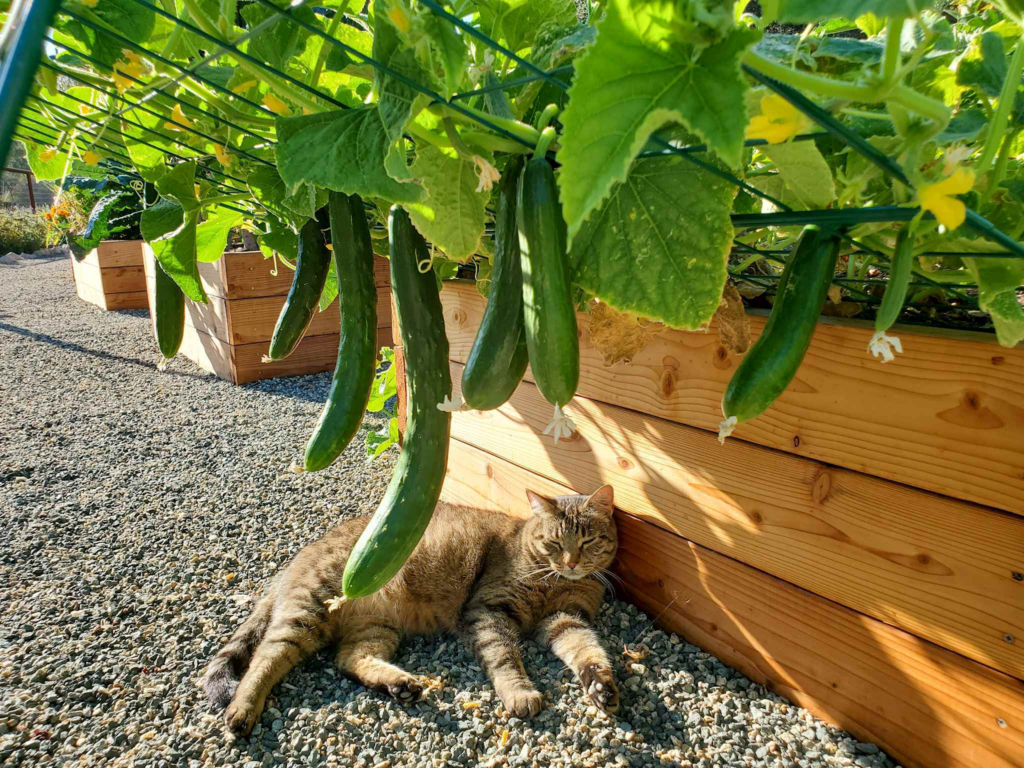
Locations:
{"points": [[486, 576]]}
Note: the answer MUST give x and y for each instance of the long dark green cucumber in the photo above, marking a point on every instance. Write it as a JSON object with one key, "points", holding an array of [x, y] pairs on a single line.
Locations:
{"points": [[548, 312], [498, 359], [168, 313], [770, 365], [407, 506], [311, 268], [899, 279], [357, 350]]}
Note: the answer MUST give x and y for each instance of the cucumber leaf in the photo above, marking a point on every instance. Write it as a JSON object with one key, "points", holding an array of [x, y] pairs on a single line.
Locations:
{"points": [[637, 77], [815, 10], [99, 226], [453, 214], [804, 172], [45, 170], [343, 151], [658, 247], [280, 43], [519, 21], [983, 65], [212, 234], [998, 280], [129, 18]]}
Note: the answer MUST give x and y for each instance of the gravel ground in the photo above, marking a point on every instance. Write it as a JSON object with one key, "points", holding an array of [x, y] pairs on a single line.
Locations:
{"points": [[140, 513]]}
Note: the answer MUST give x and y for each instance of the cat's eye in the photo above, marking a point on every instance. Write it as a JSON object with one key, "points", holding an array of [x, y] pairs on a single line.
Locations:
{"points": [[588, 541]]}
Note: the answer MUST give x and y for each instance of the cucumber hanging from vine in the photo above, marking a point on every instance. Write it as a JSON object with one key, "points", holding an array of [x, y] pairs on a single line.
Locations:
{"points": [[548, 312], [498, 359], [311, 268], [357, 349], [168, 314], [900, 268], [407, 506], [770, 365]]}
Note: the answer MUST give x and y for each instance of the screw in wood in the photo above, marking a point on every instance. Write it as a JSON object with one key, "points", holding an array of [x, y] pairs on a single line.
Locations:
{"points": [[1017, 576], [1008, 637], [1000, 722]]}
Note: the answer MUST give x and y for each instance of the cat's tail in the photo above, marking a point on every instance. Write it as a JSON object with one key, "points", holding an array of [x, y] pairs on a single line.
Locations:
{"points": [[226, 670]]}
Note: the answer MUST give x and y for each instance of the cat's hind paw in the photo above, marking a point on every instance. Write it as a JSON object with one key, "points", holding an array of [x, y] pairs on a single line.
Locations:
{"points": [[408, 691], [523, 702], [599, 686], [240, 718]]}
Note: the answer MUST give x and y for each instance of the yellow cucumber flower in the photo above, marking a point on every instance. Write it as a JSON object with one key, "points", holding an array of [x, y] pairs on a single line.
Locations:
{"points": [[779, 120], [84, 109], [90, 158], [275, 105], [178, 119], [48, 154], [938, 198], [223, 156], [486, 174], [399, 18], [241, 88], [127, 68]]}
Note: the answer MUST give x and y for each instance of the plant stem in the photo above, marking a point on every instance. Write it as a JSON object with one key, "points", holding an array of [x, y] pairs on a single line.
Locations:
{"points": [[891, 56], [522, 130], [494, 143], [546, 137], [1001, 162], [457, 143], [321, 59], [1006, 97]]}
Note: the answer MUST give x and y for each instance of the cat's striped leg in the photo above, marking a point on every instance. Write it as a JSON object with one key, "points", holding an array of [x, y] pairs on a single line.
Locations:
{"points": [[294, 634], [367, 647], [577, 644], [494, 637]]}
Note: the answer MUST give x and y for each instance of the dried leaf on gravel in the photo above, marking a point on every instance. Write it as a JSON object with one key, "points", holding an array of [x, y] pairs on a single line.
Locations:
{"points": [[638, 653], [835, 294], [733, 324], [619, 336]]}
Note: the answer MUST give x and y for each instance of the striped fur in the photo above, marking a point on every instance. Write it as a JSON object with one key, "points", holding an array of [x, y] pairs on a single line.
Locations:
{"points": [[488, 578]]}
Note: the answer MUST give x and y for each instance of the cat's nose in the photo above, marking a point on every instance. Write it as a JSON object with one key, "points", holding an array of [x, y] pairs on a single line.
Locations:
{"points": [[570, 560]]}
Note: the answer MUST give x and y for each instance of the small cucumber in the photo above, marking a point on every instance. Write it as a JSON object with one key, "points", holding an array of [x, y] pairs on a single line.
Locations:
{"points": [[497, 362], [770, 365], [168, 313], [900, 269], [311, 268], [548, 312], [357, 350], [407, 506]]}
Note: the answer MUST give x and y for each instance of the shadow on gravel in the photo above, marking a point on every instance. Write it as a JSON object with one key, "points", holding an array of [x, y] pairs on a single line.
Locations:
{"points": [[72, 346]]}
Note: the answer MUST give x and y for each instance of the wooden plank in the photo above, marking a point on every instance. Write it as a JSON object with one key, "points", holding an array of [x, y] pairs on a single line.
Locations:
{"points": [[209, 353], [127, 300], [119, 253], [247, 274], [123, 279], [939, 568], [86, 273], [91, 295], [945, 416], [924, 705], [313, 354]]}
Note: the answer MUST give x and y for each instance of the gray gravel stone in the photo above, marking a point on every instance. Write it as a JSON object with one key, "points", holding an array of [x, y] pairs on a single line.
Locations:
{"points": [[141, 512]]}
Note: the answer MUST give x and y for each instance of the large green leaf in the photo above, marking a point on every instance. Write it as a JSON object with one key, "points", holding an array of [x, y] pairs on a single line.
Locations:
{"points": [[157, 220], [452, 215], [397, 102], [179, 185], [983, 65], [998, 280], [658, 246], [279, 237], [212, 234], [518, 22], [636, 78], [45, 170], [98, 227], [127, 17], [342, 150], [816, 10], [176, 252], [804, 172], [282, 42], [269, 189], [553, 47]]}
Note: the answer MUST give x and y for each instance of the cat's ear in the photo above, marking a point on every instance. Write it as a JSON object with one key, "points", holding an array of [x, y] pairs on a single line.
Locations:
{"points": [[602, 500], [540, 505]]}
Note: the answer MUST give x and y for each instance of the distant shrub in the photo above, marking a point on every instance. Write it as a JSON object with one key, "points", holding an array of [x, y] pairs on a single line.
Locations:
{"points": [[21, 231]]}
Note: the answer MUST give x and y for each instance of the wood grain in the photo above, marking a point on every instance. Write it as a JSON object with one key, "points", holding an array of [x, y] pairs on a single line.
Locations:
{"points": [[925, 705], [123, 279], [115, 253], [947, 415], [92, 286], [247, 274], [939, 568]]}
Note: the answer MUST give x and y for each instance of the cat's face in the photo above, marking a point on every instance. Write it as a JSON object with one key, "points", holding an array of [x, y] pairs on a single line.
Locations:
{"points": [[574, 536]]}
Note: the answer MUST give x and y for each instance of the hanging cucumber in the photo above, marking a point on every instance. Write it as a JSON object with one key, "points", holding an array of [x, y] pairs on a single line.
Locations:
{"points": [[403, 514], [311, 268], [770, 365], [168, 313], [900, 268], [357, 350], [548, 312], [497, 362]]}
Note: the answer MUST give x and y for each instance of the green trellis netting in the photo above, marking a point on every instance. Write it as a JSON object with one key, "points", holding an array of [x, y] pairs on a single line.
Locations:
{"points": [[145, 87]]}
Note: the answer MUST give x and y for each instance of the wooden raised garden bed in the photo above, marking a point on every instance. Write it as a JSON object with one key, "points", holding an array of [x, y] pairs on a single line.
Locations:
{"points": [[111, 276], [858, 549], [230, 335]]}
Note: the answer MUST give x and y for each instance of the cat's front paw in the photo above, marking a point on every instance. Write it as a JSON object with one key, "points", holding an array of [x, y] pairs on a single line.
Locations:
{"points": [[407, 691], [240, 718], [599, 686], [522, 702]]}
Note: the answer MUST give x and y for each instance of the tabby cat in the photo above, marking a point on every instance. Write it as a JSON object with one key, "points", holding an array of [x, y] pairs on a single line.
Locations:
{"points": [[487, 577]]}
